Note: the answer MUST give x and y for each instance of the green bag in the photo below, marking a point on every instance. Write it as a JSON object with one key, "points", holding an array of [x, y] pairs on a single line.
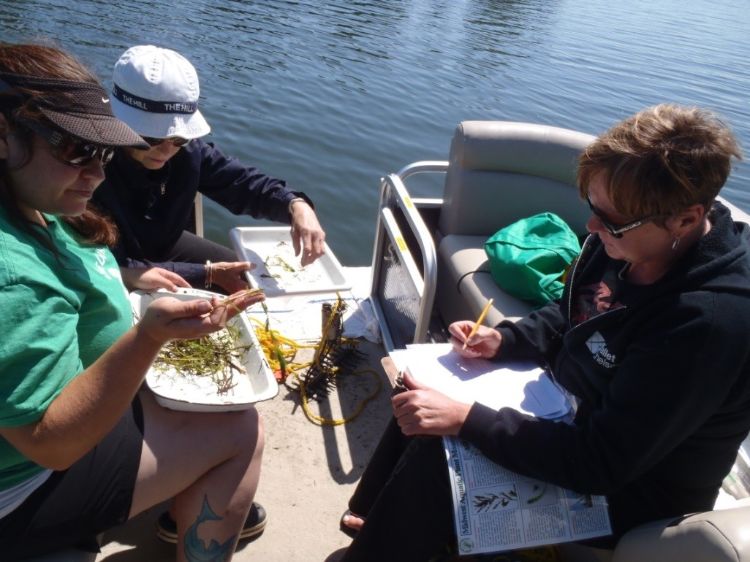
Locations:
{"points": [[528, 259]]}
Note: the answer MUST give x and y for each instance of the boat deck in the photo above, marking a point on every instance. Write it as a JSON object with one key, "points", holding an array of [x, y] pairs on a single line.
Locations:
{"points": [[309, 471]]}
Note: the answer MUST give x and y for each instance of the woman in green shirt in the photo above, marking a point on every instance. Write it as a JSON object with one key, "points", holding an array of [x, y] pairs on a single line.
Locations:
{"points": [[81, 449]]}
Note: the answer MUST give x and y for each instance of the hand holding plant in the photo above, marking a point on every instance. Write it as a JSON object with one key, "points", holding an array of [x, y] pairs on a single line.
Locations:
{"points": [[169, 318], [224, 309]]}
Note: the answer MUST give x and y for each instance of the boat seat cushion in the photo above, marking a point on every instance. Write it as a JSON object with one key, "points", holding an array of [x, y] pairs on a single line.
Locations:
{"points": [[465, 283], [499, 172], [718, 536]]}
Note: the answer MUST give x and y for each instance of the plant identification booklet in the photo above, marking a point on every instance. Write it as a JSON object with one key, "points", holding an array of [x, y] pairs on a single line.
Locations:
{"points": [[496, 509]]}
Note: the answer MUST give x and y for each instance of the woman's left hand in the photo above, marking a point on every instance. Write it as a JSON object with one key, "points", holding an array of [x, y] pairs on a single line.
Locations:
{"points": [[422, 410], [151, 278], [308, 236], [229, 275]]}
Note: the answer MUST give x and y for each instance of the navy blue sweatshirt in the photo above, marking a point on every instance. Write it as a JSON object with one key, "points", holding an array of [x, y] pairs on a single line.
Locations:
{"points": [[153, 207], [663, 384]]}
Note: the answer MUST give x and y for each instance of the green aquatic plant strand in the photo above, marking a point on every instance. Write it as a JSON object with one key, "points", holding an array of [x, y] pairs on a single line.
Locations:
{"points": [[217, 356]]}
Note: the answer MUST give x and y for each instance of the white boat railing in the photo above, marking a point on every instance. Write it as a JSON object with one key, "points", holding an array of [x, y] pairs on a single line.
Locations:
{"points": [[402, 293]]}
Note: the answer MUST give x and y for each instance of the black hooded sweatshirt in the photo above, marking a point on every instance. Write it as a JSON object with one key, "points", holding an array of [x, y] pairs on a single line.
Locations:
{"points": [[662, 384]]}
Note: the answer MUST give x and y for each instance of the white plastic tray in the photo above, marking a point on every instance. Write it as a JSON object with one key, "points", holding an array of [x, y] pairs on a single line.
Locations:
{"points": [[181, 391], [277, 270]]}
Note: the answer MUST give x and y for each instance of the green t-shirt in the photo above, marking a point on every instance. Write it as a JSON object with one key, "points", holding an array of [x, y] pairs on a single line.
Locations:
{"points": [[59, 314]]}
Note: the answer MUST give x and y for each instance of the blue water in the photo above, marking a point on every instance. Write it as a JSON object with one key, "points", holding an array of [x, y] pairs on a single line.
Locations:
{"points": [[331, 96]]}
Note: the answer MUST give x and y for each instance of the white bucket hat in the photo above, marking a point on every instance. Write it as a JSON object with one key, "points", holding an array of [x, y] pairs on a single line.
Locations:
{"points": [[155, 91]]}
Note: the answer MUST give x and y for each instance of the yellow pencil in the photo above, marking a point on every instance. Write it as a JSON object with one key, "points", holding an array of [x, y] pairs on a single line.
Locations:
{"points": [[484, 312]]}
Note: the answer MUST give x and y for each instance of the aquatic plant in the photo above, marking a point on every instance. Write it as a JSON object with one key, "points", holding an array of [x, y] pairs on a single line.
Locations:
{"points": [[218, 356]]}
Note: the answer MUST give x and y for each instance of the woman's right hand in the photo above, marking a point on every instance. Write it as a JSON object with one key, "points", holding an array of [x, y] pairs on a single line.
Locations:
{"points": [[167, 318], [484, 343], [151, 278]]}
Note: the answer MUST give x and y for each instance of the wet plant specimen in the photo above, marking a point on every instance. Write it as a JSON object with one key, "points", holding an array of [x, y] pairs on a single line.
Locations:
{"points": [[335, 355], [218, 356]]}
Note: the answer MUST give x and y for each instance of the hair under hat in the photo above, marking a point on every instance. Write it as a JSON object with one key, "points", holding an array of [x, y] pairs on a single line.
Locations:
{"points": [[155, 91], [81, 109]]}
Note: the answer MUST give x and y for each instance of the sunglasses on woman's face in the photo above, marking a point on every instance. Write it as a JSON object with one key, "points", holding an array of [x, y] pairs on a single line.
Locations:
{"points": [[616, 230], [71, 150], [175, 141]]}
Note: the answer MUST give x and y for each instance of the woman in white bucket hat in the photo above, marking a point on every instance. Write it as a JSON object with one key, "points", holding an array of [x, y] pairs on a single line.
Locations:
{"points": [[149, 193]]}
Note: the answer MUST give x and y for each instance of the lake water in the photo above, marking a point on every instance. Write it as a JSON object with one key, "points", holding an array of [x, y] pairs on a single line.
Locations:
{"points": [[332, 95]]}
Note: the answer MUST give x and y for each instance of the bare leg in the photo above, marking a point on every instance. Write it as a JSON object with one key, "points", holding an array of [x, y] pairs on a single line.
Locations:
{"points": [[210, 464]]}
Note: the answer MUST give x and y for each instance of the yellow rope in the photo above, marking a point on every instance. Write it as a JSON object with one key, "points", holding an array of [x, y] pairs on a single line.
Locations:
{"points": [[320, 420], [280, 351]]}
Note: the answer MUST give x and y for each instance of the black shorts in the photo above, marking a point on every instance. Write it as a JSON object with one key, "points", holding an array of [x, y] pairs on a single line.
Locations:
{"points": [[75, 505]]}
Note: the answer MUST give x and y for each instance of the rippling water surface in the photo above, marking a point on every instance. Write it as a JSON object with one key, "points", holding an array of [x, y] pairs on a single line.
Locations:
{"points": [[332, 95]]}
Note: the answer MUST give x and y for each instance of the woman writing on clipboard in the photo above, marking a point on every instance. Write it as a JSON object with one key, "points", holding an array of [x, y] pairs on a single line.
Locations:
{"points": [[650, 338]]}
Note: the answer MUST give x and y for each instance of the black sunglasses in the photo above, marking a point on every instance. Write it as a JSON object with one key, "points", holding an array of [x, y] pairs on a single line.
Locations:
{"points": [[616, 230], [176, 141], [69, 149]]}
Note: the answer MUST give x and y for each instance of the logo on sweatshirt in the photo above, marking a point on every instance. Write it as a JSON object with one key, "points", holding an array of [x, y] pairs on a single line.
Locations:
{"points": [[599, 351]]}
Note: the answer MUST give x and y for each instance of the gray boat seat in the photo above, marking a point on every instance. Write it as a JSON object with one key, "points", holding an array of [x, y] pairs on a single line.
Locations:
{"points": [[715, 536], [498, 172], [463, 263], [721, 535]]}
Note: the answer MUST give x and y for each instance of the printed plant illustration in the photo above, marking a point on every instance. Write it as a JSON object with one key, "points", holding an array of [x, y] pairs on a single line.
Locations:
{"points": [[492, 501], [582, 501]]}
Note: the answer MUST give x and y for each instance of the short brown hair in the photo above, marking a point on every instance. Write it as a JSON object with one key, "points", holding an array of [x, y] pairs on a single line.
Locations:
{"points": [[661, 160]]}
